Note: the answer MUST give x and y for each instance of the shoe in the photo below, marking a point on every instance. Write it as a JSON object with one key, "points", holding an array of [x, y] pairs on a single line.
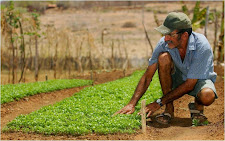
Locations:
{"points": [[198, 118], [164, 118]]}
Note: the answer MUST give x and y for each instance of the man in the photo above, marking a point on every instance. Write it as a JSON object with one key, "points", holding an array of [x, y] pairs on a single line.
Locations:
{"points": [[184, 60]]}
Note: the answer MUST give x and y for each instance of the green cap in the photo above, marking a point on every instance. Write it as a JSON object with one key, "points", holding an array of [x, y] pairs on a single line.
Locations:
{"points": [[174, 20]]}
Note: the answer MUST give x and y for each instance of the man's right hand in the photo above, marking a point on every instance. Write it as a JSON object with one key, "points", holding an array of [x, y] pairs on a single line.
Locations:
{"points": [[128, 109]]}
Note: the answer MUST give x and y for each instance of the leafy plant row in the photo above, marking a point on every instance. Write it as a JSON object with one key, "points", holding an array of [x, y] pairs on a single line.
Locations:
{"points": [[89, 111], [13, 92]]}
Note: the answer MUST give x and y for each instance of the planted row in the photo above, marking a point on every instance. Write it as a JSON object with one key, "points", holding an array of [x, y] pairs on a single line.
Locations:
{"points": [[89, 111], [13, 92]]}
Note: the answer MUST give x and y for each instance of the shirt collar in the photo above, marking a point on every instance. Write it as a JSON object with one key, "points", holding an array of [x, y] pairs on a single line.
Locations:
{"points": [[191, 42]]}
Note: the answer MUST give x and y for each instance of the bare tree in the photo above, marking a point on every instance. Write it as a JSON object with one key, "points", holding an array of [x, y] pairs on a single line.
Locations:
{"points": [[56, 58], [12, 47], [36, 26], [79, 57], [215, 33], [221, 39], [146, 33], [36, 58], [206, 20], [112, 56], [22, 51]]}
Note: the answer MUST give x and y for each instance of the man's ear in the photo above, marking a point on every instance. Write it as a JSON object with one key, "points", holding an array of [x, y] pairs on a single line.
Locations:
{"points": [[185, 35]]}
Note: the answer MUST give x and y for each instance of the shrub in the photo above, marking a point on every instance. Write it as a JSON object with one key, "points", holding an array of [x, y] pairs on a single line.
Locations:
{"points": [[129, 25]]}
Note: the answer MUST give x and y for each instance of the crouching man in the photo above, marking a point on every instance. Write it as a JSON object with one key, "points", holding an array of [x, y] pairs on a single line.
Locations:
{"points": [[184, 60]]}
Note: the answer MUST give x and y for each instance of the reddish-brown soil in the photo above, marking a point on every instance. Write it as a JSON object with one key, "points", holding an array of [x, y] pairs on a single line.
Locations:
{"points": [[179, 129]]}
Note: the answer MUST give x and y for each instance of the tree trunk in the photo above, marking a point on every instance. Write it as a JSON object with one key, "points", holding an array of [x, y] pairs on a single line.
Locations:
{"points": [[68, 61], [16, 59], [112, 55], [206, 21], [221, 39], [9, 62], [120, 54], [13, 58], [146, 33], [126, 63], [215, 35], [90, 59], [22, 52], [36, 58], [31, 58], [103, 36], [55, 60], [13, 50], [79, 51]]}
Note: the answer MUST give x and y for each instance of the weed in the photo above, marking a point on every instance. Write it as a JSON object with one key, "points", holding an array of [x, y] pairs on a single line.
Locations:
{"points": [[196, 122]]}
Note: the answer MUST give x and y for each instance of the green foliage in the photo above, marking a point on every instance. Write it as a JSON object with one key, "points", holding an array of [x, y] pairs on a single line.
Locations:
{"points": [[36, 16], [196, 122], [90, 110], [185, 9], [11, 17], [199, 15], [36, 26], [3, 7], [13, 92], [198, 19]]}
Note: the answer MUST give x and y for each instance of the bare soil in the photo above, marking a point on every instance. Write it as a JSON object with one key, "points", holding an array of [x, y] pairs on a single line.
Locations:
{"points": [[180, 128]]}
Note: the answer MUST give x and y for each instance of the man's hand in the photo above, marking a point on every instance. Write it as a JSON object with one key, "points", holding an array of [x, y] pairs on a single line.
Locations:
{"points": [[128, 109], [151, 108]]}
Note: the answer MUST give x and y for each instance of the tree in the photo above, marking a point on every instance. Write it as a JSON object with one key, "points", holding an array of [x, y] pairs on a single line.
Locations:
{"points": [[36, 27], [199, 15], [11, 24]]}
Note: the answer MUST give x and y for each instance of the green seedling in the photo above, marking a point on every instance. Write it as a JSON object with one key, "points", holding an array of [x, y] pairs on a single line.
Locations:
{"points": [[90, 110], [196, 122], [13, 92]]}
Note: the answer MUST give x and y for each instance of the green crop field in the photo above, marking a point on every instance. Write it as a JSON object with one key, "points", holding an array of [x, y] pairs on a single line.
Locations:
{"points": [[89, 111], [13, 92]]}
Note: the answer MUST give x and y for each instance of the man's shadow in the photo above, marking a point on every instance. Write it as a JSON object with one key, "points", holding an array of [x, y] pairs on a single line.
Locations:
{"points": [[176, 121]]}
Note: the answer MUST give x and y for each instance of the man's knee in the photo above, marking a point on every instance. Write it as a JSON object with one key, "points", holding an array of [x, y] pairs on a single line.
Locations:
{"points": [[164, 58], [206, 96]]}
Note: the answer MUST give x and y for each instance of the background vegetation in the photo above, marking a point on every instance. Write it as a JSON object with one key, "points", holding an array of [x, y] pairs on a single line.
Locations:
{"points": [[38, 40]]}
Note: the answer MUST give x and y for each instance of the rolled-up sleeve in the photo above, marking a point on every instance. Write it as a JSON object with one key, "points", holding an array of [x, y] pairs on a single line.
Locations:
{"points": [[160, 47]]}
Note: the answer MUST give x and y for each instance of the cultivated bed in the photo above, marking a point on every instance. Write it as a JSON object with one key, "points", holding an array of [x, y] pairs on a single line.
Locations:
{"points": [[89, 111]]}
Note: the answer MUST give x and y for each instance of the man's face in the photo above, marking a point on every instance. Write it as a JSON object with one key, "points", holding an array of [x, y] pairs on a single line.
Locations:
{"points": [[173, 39]]}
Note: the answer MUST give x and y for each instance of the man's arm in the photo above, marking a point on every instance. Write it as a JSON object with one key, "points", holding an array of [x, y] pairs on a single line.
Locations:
{"points": [[184, 88], [140, 90], [178, 92], [143, 84]]}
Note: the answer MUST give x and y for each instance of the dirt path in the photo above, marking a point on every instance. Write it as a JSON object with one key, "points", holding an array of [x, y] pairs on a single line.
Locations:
{"points": [[179, 129]]}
